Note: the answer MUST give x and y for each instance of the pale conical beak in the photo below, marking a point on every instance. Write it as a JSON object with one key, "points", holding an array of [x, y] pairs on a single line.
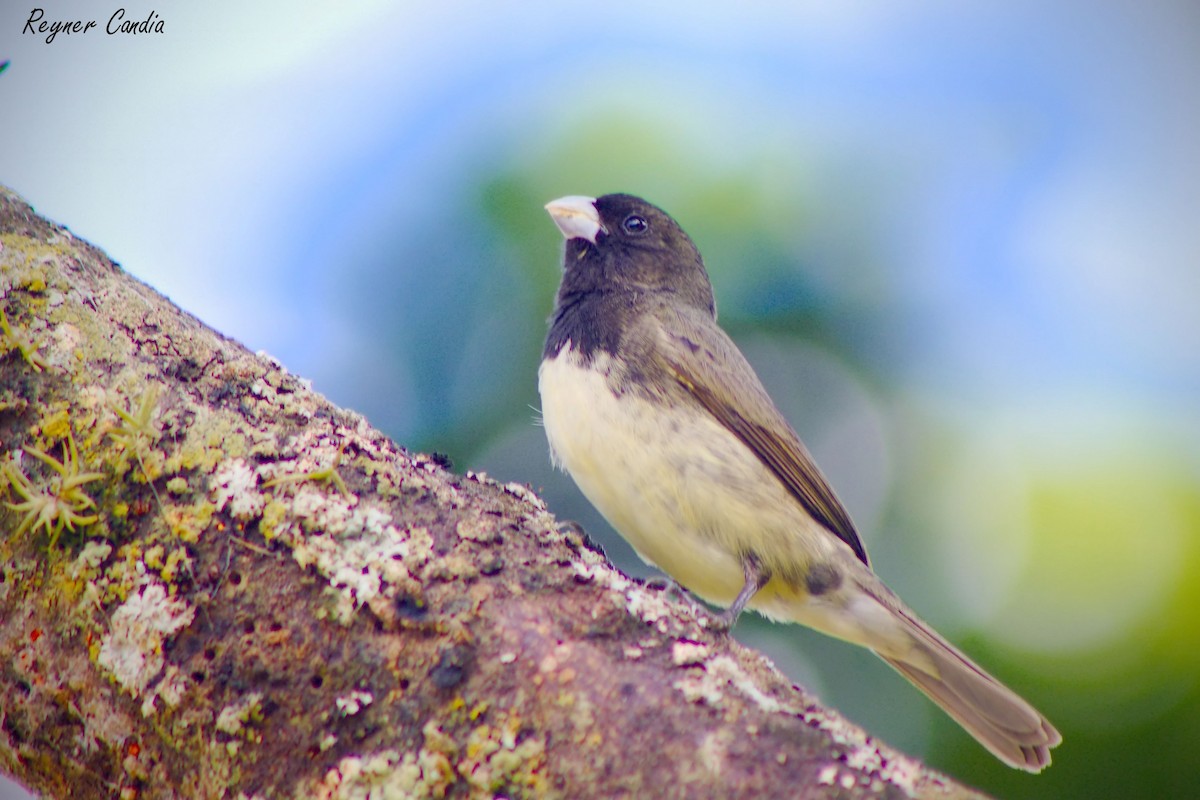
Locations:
{"points": [[576, 216]]}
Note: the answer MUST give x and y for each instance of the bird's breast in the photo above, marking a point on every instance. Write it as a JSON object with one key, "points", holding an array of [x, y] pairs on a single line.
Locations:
{"points": [[686, 493]]}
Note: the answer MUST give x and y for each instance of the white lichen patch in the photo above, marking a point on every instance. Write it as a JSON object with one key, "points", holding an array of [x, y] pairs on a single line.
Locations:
{"points": [[87, 563], [66, 338], [350, 704], [235, 487], [865, 755], [132, 649], [737, 677], [494, 757], [701, 687], [903, 772], [592, 557], [477, 528], [85, 569], [685, 653], [721, 674], [367, 520], [235, 718], [318, 510], [585, 573], [713, 752], [170, 690], [274, 362], [650, 607], [526, 495], [366, 778], [368, 554], [388, 775], [893, 767]]}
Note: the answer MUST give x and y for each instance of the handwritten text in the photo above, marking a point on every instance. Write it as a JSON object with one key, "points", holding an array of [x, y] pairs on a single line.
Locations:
{"points": [[117, 23]]}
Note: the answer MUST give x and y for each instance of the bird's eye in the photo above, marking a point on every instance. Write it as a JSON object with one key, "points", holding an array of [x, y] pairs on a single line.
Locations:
{"points": [[635, 224]]}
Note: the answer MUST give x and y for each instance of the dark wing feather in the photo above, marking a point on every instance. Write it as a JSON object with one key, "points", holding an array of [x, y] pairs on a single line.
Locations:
{"points": [[705, 364]]}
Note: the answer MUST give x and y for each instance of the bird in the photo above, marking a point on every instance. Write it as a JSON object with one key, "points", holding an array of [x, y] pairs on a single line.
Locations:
{"points": [[666, 429]]}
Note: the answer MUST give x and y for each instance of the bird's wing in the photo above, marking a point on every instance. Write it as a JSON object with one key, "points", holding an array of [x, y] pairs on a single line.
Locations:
{"points": [[713, 371]]}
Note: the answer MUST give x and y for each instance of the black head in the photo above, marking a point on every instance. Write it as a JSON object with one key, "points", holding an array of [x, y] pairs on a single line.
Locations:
{"points": [[619, 243]]}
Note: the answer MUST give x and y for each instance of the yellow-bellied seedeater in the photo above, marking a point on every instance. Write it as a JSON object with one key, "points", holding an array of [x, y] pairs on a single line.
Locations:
{"points": [[666, 429]]}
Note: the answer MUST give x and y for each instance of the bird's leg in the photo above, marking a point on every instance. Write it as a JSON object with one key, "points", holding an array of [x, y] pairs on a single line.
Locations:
{"points": [[756, 578]]}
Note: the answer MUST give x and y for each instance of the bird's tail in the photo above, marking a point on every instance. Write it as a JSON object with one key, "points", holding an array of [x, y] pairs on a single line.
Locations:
{"points": [[1012, 729]]}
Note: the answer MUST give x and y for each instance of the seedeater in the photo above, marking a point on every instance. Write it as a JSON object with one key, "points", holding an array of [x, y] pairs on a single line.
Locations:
{"points": [[665, 427]]}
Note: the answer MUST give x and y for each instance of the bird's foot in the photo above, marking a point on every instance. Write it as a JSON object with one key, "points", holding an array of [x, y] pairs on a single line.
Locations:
{"points": [[716, 622], [722, 622]]}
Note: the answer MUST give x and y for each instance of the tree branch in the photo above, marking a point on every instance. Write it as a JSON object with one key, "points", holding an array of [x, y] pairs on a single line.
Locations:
{"points": [[213, 583]]}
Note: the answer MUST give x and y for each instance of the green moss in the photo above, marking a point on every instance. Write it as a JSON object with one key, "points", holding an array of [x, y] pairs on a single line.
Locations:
{"points": [[13, 339], [36, 254], [178, 560], [495, 762], [273, 514], [192, 455], [190, 521], [55, 424], [229, 440]]}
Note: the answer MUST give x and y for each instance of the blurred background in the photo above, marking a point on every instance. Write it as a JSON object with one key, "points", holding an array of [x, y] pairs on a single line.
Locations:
{"points": [[960, 243]]}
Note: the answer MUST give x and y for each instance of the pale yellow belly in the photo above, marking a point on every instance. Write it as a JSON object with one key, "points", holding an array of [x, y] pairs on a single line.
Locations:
{"points": [[685, 492]]}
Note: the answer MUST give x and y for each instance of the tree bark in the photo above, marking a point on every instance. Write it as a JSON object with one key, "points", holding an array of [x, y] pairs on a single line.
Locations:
{"points": [[214, 583]]}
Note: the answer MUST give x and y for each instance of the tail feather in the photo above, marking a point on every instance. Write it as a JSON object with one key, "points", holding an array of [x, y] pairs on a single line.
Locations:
{"points": [[864, 611], [1004, 723]]}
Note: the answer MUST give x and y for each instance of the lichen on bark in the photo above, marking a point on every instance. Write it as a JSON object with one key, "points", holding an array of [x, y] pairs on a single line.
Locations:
{"points": [[260, 595]]}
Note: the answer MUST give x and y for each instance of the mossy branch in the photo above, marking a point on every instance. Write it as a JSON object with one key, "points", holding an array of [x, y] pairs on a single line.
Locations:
{"points": [[213, 583]]}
